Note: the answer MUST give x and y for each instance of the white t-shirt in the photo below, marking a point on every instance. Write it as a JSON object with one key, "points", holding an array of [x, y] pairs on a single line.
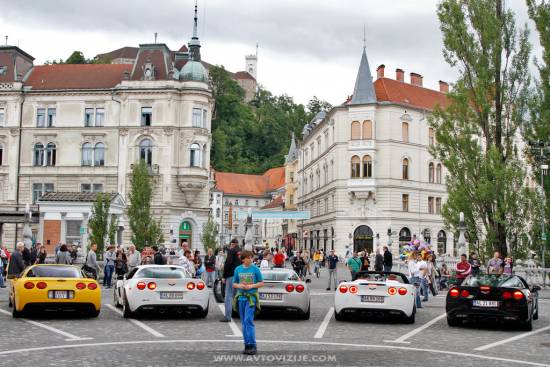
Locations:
{"points": [[414, 268], [421, 266], [264, 264]]}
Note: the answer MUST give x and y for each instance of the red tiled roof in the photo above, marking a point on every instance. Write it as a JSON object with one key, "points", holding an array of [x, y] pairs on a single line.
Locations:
{"points": [[243, 75], [76, 76], [250, 185], [391, 90], [121, 53], [275, 203]]}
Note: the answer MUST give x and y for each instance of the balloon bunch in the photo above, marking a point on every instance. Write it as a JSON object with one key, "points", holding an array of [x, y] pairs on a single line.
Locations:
{"points": [[415, 245]]}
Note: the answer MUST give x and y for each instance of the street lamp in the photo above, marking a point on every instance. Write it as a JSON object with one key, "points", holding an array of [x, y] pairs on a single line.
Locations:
{"points": [[461, 237]]}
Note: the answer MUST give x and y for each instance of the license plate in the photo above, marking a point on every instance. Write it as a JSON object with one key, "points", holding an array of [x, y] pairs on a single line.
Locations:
{"points": [[171, 295], [59, 294], [271, 296], [477, 303], [373, 299]]}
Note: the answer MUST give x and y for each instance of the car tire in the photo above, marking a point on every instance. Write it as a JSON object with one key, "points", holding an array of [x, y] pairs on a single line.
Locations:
{"points": [[93, 313], [453, 322], [305, 315], [217, 290], [9, 302], [116, 299], [126, 312], [527, 325], [339, 316], [411, 319], [14, 313], [536, 313], [203, 313]]}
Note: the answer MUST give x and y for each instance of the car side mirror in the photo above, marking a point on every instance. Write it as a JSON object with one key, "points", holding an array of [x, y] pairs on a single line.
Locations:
{"points": [[308, 280], [536, 288]]}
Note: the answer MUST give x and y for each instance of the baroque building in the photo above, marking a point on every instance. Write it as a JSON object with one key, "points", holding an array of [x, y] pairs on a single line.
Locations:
{"points": [[365, 172]]}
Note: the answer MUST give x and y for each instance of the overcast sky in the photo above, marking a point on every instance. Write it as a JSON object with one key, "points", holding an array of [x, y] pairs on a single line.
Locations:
{"points": [[306, 47]]}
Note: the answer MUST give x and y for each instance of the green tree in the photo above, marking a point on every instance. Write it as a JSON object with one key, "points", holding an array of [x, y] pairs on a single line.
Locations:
{"points": [[210, 232], [77, 57], [315, 105], [113, 226], [99, 221], [476, 133], [146, 231]]}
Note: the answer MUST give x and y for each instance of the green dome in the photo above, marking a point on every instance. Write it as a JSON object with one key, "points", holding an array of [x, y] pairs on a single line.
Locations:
{"points": [[194, 71]]}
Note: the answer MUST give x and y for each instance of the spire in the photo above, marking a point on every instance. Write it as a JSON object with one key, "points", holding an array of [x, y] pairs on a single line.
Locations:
{"points": [[194, 43], [292, 151], [363, 92]]}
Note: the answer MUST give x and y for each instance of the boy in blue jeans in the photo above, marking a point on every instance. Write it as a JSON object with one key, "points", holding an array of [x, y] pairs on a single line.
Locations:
{"points": [[246, 280]]}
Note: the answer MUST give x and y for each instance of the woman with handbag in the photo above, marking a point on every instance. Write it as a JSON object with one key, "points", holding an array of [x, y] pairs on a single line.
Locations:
{"points": [[121, 263]]}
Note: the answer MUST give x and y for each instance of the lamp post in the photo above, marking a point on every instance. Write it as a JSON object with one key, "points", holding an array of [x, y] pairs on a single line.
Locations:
{"points": [[543, 171], [461, 237]]}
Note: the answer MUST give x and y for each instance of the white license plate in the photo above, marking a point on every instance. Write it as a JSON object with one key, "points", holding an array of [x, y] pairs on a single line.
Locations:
{"points": [[271, 296], [373, 299], [171, 295], [59, 294], [477, 303]]}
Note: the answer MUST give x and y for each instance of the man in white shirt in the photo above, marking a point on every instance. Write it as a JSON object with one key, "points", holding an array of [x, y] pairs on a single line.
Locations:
{"points": [[423, 273], [185, 262], [264, 264], [414, 275], [134, 258]]}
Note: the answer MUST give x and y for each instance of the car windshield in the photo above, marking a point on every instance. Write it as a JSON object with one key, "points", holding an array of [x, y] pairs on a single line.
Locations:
{"points": [[279, 276], [168, 272], [54, 272], [383, 277], [492, 280]]}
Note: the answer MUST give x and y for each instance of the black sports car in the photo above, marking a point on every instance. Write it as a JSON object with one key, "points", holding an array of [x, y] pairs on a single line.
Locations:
{"points": [[493, 297]]}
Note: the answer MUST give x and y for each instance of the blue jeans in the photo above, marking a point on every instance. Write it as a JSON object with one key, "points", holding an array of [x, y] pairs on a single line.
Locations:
{"points": [[425, 290], [416, 280], [228, 297], [387, 268], [210, 278], [109, 269], [1, 273], [247, 321]]}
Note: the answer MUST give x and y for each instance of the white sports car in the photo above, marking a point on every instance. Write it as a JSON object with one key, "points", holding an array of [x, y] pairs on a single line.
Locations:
{"points": [[284, 290], [376, 294], [161, 288]]}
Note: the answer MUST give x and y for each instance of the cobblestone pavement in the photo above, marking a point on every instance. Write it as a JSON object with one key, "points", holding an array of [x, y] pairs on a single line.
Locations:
{"points": [[151, 341]]}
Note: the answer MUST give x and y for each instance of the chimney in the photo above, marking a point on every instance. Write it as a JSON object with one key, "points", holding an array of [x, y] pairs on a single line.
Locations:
{"points": [[416, 79], [380, 71], [443, 87], [399, 75]]}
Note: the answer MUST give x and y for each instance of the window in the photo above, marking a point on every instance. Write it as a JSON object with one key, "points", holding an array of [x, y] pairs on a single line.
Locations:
{"points": [[367, 166], [99, 116], [431, 172], [236, 202], [39, 189], [40, 117], [87, 154], [367, 129], [312, 146], [1, 154], [93, 156], [291, 199], [217, 212], [405, 201], [430, 205], [355, 130], [246, 202], [405, 169], [405, 132], [291, 175], [257, 203], [197, 117], [85, 187], [326, 206], [50, 154], [431, 138], [438, 173], [72, 233], [226, 216], [146, 116], [355, 167], [195, 155], [146, 151], [51, 117], [319, 145], [99, 154], [2, 116], [438, 206], [3, 70], [88, 117], [38, 154], [204, 118], [94, 117]]}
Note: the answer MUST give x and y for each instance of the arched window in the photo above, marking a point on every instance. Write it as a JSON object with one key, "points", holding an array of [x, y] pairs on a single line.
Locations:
{"points": [[87, 154], [405, 132], [50, 154], [438, 173], [431, 172], [367, 166], [431, 136], [195, 155], [99, 154], [355, 167], [355, 130], [146, 151], [405, 175], [441, 242], [217, 212], [1, 154], [38, 154], [367, 129]]}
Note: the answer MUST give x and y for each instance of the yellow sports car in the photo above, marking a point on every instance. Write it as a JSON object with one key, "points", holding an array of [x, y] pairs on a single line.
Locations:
{"points": [[54, 288]]}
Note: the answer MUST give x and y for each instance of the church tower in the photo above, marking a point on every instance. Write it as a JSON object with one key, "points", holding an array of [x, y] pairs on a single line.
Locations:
{"points": [[194, 43], [252, 64]]}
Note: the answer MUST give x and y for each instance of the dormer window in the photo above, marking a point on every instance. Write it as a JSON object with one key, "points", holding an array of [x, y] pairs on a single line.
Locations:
{"points": [[3, 70]]}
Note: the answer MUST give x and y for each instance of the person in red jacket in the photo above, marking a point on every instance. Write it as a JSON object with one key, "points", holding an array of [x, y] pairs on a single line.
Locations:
{"points": [[463, 269], [279, 259]]}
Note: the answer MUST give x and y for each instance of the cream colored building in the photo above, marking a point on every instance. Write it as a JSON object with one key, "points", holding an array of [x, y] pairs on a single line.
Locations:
{"points": [[364, 168]]}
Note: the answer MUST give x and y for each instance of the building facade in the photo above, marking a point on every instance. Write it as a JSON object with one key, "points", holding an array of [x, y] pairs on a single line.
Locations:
{"points": [[365, 172]]}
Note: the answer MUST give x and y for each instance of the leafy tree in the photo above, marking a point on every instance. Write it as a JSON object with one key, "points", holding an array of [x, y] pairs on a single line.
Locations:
{"points": [[113, 226], [476, 133], [210, 232], [77, 57], [315, 105], [146, 231], [99, 221]]}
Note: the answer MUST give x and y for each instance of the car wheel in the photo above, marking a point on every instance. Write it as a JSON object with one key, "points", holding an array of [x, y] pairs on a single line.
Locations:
{"points": [[117, 299], [451, 321], [410, 319], [14, 313], [9, 301], [93, 313], [339, 316], [203, 313], [305, 315], [536, 313], [528, 325], [126, 312], [218, 291]]}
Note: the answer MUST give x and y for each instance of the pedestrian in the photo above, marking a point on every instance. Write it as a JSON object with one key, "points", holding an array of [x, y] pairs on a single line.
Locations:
{"points": [[247, 279], [109, 259], [354, 265], [432, 270], [264, 264], [232, 260], [323, 258], [210, 266], [5, 259], [476, 264], [2, 267], [445, 275], [73, 252], [306, 257], [186, 261], [508, 266], [134, 257], [424, 277], [365, 262], [63, 256], [90, 264], [317, 263], [34, 253], [388, 260], [495, 265], [279, 259], [463, 269], [158, 259], [17, 265], [121, 263], [299, 265], [26, 253], [332, 261], [197, 262], [56, 249], [379, 261], [414, 274], [42, 254], [220, 259]]}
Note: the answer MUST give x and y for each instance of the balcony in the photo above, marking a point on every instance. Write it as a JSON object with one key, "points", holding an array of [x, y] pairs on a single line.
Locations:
{"points": [[362, 144], [362, 188]]}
